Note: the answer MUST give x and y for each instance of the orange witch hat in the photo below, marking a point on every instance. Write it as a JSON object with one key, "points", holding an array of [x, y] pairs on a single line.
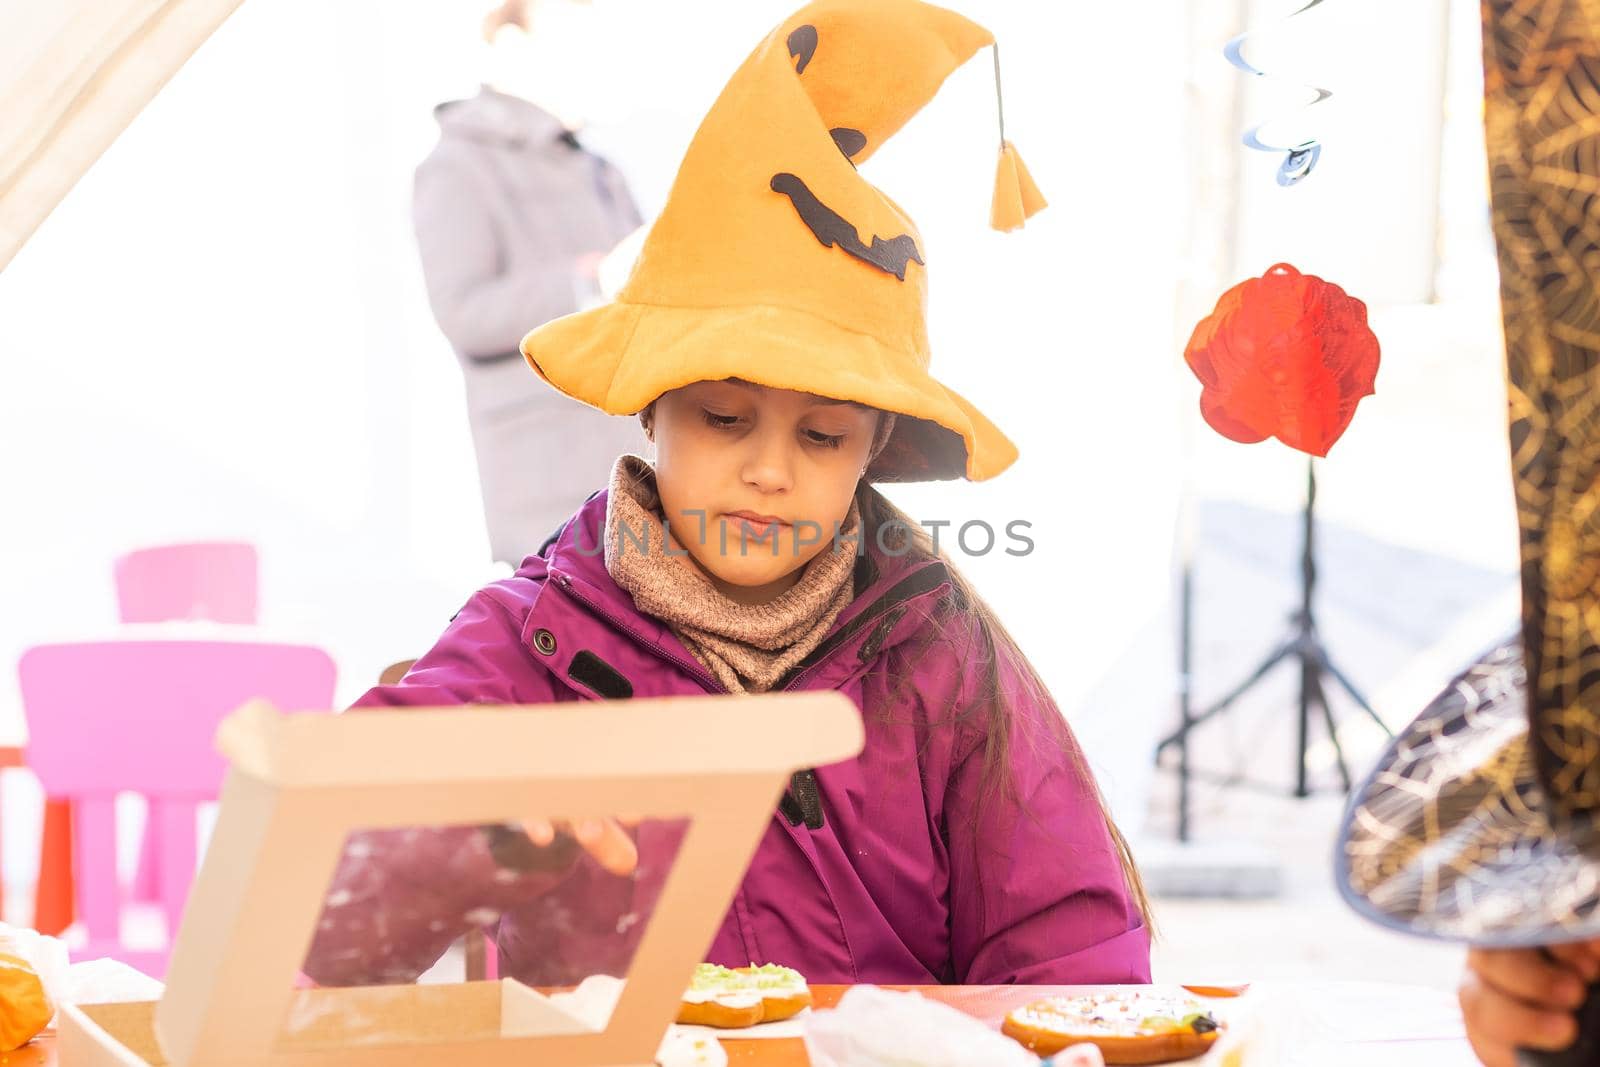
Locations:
{"points": [[776, 262]]}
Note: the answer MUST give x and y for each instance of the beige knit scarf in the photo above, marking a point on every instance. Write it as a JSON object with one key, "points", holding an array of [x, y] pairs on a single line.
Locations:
{"points": [[747, 648]]}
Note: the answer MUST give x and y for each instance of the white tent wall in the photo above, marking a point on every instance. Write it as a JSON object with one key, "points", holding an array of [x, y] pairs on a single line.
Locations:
{"points": [[72, 76], [1380, 170]]}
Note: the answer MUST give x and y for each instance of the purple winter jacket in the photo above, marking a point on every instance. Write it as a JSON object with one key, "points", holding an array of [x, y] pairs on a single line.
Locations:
{"points": [[886, 889]]}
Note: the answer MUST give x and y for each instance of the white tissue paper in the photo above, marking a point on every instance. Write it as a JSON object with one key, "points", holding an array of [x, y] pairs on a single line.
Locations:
{"points": [[690, 1050], [109, 982], [94, 982], [46, 955], [874, 1027], [594, 1001]]}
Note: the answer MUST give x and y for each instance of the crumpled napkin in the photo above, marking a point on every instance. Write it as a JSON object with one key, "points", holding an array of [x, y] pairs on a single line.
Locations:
{"points": [[679, 1049], [94, 982], [874, 1027], [109, 982], [24, 1010]]}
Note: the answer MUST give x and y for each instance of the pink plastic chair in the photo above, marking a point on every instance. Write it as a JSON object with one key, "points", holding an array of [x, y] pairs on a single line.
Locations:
{"points": [[215, 581], [140, 716]]}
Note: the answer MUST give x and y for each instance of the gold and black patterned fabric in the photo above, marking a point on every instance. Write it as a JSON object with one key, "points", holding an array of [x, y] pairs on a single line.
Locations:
{"points": [[1480, 822]]}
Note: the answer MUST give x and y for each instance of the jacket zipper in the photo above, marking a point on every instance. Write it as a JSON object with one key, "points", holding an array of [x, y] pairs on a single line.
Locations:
{"points": [[879, 610], [699, 673]]}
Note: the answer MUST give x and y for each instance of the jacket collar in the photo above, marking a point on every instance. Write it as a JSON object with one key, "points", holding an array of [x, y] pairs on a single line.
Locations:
{"points": [[894, 594]]}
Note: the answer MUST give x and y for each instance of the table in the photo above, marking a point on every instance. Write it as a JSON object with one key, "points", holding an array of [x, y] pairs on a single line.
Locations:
{"points": [[1395, 1025], [989, 1003], [1405, 1025]]}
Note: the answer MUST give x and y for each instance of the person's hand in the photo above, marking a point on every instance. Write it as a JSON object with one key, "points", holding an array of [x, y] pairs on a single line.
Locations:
{"points": [[1525, 998], [541, 845], [606, 840], [589, 265]]}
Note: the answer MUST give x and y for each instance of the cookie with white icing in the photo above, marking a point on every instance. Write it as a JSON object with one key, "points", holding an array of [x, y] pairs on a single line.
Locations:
{"points": [[1132, 1026], [733, 998]]}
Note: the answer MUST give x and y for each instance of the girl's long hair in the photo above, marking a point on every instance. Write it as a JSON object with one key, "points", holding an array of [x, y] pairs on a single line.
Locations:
{"points": [[886, 524]]}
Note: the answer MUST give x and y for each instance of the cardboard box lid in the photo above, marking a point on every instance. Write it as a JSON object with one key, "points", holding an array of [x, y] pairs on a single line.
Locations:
{"points": [[299, 784]]}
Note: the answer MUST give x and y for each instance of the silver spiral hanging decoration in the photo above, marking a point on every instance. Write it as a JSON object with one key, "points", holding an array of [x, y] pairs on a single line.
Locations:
{"points": [[1298, 159]]}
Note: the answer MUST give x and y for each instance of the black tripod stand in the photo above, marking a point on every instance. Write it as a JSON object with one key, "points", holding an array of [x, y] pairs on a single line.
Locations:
{"points": [[1303, 645]]}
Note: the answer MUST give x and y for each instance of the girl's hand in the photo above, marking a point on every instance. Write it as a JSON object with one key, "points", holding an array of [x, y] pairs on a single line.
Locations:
{"points": [[1525, 998], [607, 840]]}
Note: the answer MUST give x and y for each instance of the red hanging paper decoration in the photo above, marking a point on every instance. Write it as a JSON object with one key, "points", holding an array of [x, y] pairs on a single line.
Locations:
{"points": [[1285, 355]]}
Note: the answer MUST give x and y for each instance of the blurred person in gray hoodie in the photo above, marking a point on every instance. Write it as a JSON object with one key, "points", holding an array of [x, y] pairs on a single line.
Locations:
{"points": [[513, 216]]}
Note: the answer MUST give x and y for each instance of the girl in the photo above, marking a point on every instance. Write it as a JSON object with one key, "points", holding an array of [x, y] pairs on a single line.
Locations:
{"points": [[771, 340]]}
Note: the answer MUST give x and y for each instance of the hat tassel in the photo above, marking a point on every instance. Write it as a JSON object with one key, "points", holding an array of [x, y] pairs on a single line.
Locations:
{"points": [[1016, 197]]}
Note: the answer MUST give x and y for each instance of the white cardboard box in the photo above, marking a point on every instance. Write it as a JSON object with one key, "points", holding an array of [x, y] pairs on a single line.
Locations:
{"points": [[299, 784]]}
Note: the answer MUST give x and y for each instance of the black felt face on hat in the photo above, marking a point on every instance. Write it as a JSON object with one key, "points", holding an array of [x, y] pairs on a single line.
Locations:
{"points": [[890, 255]]}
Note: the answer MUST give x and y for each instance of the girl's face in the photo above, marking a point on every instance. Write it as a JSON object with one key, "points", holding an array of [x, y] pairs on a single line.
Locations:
{"points": [[755, 481]]}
